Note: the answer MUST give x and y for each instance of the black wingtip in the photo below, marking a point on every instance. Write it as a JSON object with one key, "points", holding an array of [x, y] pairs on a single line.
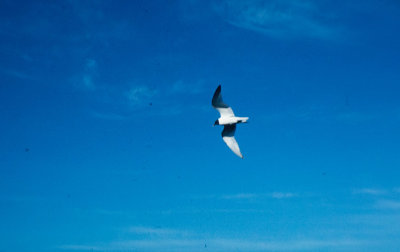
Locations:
{"points": [[216, 94], [217, 91]]}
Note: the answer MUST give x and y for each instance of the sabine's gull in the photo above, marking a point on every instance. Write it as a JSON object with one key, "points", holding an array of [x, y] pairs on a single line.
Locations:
{"points": [[229, 120]]}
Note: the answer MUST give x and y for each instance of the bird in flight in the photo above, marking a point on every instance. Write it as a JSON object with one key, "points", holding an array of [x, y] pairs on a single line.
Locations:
{"points": [[229, 120]]}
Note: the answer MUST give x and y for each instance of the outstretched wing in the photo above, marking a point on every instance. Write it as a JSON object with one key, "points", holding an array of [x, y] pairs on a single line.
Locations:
{"points": [[219, 104], [228, 135]]}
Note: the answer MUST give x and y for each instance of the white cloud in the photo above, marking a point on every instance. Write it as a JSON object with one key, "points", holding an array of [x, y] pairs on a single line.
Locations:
{"points": [[139, 95], [85, 80], [222, 244], [80, 247], [156, 231], [167, 104], [306, 244], [382, 203], [369, 191], [282, 195], [388, 204], [17, 74], [279, 19], [91, 64], [240, 196], [212, 210], [275, 195]]}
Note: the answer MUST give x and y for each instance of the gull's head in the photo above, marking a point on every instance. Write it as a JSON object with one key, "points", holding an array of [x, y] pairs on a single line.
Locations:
{"points": [[216, 123]]}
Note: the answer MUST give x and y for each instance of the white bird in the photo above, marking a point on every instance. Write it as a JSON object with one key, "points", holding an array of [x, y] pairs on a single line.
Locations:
{"points": [[229, 120]]}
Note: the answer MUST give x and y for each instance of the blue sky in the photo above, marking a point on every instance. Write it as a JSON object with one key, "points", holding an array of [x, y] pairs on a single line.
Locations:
{"points": [[107, 141]]}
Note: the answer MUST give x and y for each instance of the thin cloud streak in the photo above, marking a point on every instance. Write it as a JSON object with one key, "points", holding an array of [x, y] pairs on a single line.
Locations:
{"points": [[140, 95], [370, 191], [81, 247], [285, 245], [275, 195], [17, 74], [388, 204], [240, 196], [85, 80], [155, 231], [90, 71], [278, 19], [158, 101], [213, 210], [282, 195], [221, 244]]}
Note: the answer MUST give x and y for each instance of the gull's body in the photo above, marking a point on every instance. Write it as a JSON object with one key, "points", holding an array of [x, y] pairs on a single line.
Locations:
{"points": [[229, 120]]}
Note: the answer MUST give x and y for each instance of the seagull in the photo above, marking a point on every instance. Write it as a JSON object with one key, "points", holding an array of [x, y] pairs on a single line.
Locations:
{"points": [[229, 120]]}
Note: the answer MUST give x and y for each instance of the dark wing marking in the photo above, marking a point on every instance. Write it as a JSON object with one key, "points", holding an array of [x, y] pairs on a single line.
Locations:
{"points": [[229, 130], [228, 137], [219, 104], [217, 101]]}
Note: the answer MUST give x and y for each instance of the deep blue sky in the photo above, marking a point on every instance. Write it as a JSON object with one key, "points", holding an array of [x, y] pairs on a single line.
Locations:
{"points": [[107, 142]]}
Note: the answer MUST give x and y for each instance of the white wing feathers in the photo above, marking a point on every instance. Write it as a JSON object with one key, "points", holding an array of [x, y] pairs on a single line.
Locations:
{"points": [[218, 104], [228, 134], [229, 138]]}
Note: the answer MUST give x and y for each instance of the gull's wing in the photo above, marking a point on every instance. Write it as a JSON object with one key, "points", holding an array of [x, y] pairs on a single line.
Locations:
{"points": [[219, 104], [228, 135]]}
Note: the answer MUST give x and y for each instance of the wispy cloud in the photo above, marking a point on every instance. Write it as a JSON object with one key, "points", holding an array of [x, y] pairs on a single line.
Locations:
{"points": [[17, 74], [370, 191], [156, 238], [222, 244], [140, 95], [81, 247], [90, 71], [275, 195], [86, 78], [305, 244], [279, 18], [388, 204], [156, 231], [150, 238], [192, 210], [145, 244], [384, 198], [169, 100], [240, 196], [282, 195]]}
